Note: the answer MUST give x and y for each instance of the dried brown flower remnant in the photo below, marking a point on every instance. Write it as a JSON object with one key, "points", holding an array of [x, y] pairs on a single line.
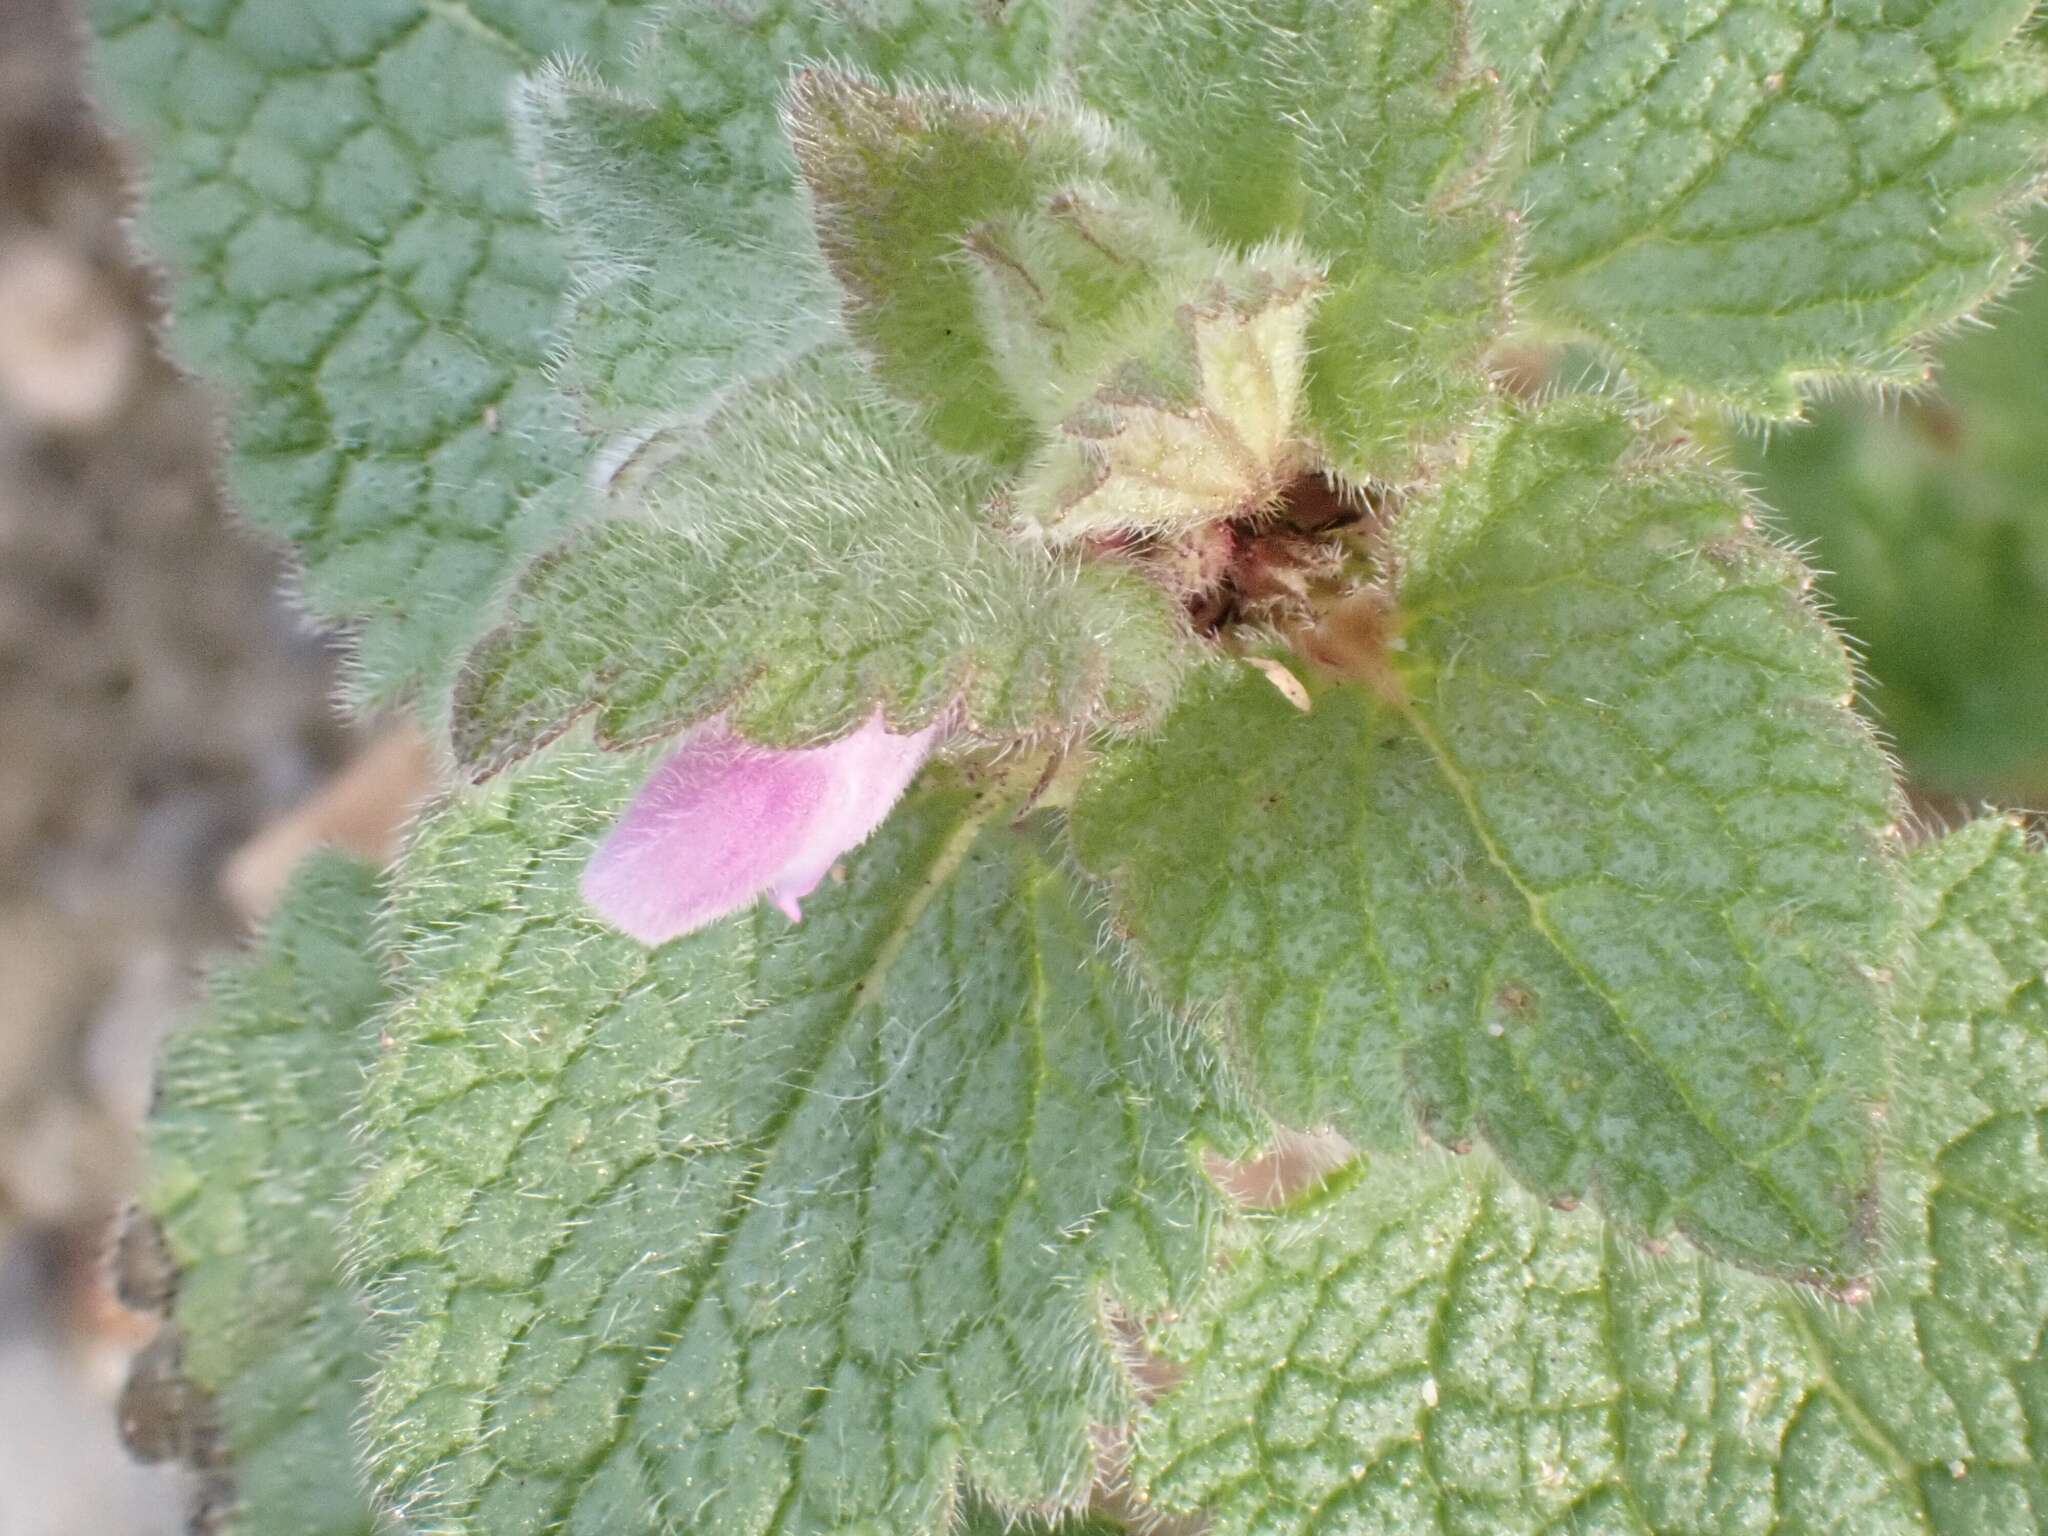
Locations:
{"points": [[1277, 567]]}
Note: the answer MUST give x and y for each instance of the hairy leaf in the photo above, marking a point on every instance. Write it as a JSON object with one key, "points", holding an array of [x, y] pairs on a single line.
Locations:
{"points": [[1022, 273], [1732, 198], [1359, 131], [361, 269], [986, 1520], [695, 264], [1596, 870], [801, 559], [926, 201], [1444, 1355], [1201, 425], [769, 1230], [1929, 521], [250, 1168], [1005, 49]]}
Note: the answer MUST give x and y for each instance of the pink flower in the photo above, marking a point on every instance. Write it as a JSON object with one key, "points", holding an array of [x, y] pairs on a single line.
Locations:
{"points": [[723, 821]]}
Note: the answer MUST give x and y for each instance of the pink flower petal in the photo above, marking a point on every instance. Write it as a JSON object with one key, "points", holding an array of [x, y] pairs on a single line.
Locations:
{"points": [[723, 821], [870, 770]]}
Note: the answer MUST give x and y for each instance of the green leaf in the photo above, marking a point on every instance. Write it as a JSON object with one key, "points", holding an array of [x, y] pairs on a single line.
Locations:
{"points": [[1516, 38], [359, 267], [986, 1520], [1444, 1355], [1929, 520], [798, 561], [693, 264], [772, 1229], [996, 49], [918, 200], [249, 1171], [1733, 199], [1598, 872], [694, 260], [1360, 132], [1021, 272]]}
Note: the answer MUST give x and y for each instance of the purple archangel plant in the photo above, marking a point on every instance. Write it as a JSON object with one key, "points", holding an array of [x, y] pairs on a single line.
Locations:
{"points": [[1046, 492]]}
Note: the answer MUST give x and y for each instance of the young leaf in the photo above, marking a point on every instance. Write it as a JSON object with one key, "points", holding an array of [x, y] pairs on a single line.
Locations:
{"points": [[801, 559], [1444, 1355], [1596, 869], [250, 1168], [693, 258], [991, 256], [1023, 273], [1360, 132], [360, 268], [1732, 199], [1203, 429], [772, 1229]]}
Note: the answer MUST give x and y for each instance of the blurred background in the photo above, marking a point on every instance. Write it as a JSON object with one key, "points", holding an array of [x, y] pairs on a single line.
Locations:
{"points": [[167, 746], [164, 724]]}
